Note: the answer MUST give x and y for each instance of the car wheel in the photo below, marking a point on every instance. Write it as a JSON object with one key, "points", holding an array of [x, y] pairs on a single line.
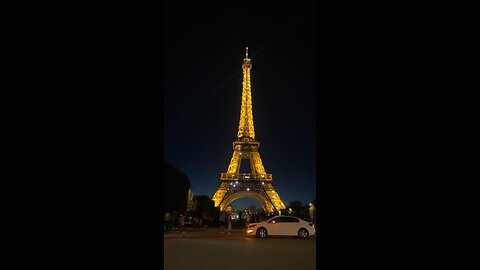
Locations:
{"points": [[262, 233], [303, 233]]}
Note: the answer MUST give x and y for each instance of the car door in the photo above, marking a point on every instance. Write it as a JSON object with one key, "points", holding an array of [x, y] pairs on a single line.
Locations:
{"points": [[283, 226], [290, 225], [275, 226]]}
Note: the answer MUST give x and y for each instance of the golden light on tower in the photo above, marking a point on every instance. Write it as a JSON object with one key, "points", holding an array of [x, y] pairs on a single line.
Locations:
{"points": [[245, 127], [258, 183]]}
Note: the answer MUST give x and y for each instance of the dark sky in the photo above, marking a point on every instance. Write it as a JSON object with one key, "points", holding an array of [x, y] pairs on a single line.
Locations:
{"points": [[204, 47]]}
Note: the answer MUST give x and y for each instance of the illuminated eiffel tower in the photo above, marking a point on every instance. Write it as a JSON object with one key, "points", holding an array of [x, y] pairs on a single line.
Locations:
{"points": [[257, 184]]}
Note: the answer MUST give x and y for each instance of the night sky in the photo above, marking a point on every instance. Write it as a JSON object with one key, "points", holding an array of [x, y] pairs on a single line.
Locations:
{"points": [[204, 48]]}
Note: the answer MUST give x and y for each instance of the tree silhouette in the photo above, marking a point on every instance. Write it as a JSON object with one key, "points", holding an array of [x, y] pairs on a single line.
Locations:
{"points": [[298, 209], [175, 189], [203, 203]]}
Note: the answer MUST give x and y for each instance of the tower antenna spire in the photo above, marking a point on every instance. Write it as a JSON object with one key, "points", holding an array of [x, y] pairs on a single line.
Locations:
{"points": [[247, 53]]}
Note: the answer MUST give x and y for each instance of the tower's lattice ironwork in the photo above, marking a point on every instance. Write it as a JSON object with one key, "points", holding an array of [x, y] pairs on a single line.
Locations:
{"points": [[258, 183]]}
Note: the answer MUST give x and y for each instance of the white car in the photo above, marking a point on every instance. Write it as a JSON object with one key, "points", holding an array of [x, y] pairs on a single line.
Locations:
{"points": [[282, 225]]}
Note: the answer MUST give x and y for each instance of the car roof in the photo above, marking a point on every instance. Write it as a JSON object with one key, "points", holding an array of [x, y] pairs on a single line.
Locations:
{"points": [[286, 216]]}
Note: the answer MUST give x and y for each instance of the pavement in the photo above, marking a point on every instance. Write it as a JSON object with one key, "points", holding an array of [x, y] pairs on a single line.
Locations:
{"points": [[208, 249]]}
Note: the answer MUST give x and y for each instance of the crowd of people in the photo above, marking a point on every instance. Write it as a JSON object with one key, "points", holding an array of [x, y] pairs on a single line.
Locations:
{"points": [[179, 221], [200, 221]]}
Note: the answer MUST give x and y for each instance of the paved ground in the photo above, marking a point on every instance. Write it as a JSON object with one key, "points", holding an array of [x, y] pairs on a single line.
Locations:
{"points": [[209, 250]]}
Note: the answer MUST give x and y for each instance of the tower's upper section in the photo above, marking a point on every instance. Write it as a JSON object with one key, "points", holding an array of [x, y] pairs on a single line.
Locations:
{"points": [[245, 128], [246, 61]]}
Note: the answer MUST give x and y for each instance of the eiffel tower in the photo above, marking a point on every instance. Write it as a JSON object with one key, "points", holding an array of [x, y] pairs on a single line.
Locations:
{"points": [[257, 184]]}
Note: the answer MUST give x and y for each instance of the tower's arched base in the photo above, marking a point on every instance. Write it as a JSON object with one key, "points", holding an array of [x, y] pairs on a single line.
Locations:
{"points": [[267, 206], [260, 190]]}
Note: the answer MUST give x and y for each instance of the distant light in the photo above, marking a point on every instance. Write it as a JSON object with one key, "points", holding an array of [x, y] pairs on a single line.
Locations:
{"points": [[248, 189], [310, 204], [262, 183]]}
